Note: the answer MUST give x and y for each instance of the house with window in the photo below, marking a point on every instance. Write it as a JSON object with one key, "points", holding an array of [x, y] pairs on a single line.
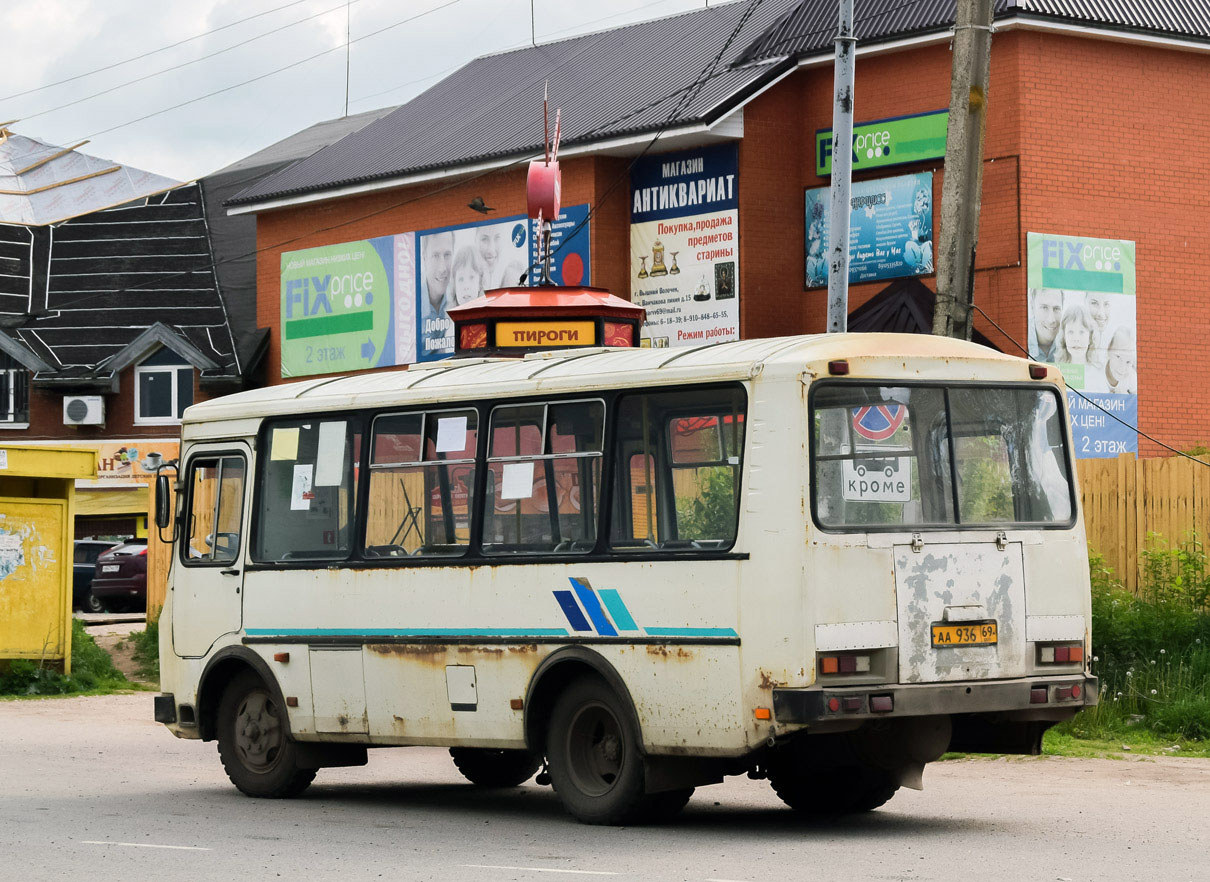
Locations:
{"points": [[111, 320]]}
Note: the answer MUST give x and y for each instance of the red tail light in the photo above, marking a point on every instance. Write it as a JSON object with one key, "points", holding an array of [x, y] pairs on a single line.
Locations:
{"points": [[143, 551]]}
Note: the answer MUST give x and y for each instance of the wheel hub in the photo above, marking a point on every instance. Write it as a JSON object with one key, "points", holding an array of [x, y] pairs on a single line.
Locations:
{"points": [[258, 737]]}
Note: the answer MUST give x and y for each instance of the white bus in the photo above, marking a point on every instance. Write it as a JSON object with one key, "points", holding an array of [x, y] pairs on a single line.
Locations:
{"points": [[822, 560]]}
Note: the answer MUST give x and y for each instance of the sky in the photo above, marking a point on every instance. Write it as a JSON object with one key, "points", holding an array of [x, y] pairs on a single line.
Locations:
{"points": [[55, 49]]}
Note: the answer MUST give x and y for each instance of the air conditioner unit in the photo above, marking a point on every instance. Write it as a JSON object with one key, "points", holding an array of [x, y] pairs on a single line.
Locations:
{"points": [[83, 410]]}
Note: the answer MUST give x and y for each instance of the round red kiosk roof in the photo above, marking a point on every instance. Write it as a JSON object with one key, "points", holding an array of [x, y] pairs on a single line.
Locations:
{"points": [[514, 321]]}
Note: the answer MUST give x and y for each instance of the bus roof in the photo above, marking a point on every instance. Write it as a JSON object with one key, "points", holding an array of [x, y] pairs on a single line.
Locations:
{"points": [[871, 355]]}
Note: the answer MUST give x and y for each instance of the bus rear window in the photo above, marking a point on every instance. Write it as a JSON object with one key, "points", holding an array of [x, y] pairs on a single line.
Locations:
{"points": [[888, 457]]}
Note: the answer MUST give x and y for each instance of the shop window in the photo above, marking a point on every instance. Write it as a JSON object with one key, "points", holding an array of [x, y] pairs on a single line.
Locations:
{"points": [[14, 393], [163, 388]]}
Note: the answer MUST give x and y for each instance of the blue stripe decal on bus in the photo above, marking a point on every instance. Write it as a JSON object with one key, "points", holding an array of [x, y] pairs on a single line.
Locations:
{"points": [[617, 609], [691, 632], [592, 606], [408, 632], [571, 609]]}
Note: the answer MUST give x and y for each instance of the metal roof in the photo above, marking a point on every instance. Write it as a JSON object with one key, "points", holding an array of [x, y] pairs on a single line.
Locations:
{"points": [[585, 369], [810, 26], [626, 81], [612, 83]]}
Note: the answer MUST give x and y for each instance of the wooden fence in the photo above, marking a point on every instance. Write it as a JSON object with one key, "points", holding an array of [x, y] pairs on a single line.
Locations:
{"points": [[1127, 498]]}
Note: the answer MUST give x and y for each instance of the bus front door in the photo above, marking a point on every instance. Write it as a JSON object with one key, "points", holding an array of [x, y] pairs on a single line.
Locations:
{"points": [[208, 580]]}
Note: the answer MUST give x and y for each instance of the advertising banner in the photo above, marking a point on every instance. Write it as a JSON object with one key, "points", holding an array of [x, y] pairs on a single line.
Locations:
{"points": [[884, 142], [890, 229], [382, 302], [684, 245], [457, 264], [1082, 319]]}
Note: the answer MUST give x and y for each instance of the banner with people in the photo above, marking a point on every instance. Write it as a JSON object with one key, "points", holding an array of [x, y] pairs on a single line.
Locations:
{"points": [[383, 301], [1082, 319], [890, 229], [684, 245]]}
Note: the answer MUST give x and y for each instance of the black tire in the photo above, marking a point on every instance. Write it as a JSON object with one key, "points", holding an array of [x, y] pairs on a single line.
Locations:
{"points": [[666, 804], [495, 768], [254, 743], [826, 791], [94, 604], [594, 757]]}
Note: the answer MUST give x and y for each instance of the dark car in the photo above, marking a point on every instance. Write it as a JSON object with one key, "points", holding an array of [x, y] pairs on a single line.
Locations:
{"points": [[84, 567], [120, 582]]}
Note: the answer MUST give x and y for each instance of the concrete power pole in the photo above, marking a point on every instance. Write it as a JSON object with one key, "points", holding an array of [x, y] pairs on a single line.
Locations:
{"points": [[962, 189], [842, 173]]}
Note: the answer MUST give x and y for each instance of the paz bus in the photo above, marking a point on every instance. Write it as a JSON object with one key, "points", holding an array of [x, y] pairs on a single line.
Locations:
{"points": [[820, 560]]}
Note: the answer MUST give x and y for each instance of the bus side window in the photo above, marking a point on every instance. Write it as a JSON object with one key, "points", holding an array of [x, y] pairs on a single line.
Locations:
{"points": [[680, 458], [307, 483], [422, 479], [216, 507], [544, 478]]}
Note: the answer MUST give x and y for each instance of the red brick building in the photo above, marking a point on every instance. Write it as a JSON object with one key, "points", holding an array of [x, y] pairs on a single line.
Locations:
{"points": [[1097, 128]]}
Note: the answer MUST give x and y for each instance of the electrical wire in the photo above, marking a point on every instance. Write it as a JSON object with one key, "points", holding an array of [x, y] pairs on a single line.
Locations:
{"points": [[1103, 410], [200, 58], [689, 94], [97, 70], [274, 72]]}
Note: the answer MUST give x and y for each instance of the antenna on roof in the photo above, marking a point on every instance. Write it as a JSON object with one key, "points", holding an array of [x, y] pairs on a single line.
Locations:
{"points": [[544, 185]]}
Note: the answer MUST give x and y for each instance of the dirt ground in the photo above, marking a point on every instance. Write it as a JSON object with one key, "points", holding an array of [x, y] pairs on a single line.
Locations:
{"points": [[114, 639]]}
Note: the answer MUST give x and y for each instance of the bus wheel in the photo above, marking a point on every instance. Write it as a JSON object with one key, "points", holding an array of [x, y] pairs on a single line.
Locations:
{"points": [[258, 755], [495, 768], [593, 755], [832, 790]]}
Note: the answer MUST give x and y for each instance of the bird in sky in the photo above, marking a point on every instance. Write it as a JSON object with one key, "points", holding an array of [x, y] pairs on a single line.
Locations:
{"points": [[478, 205]]}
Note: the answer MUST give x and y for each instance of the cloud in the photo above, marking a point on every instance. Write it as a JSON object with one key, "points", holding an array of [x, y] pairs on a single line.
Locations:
{"points": [[55, 39]]}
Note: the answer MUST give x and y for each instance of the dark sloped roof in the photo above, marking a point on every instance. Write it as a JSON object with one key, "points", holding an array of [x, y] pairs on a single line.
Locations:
{"points": [[233, 237], [903, 307], [810, 26], [609, 84], [94, 287], [626, 81]]}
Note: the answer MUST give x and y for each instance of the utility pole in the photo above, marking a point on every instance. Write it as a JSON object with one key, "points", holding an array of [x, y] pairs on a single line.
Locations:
{"points": [[962, 189], [842, 173]]}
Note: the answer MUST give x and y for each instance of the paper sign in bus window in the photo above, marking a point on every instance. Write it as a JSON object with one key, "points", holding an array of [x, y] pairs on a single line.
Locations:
{"points": [[518, 480], [300, 490], [285, 444], [330, 457], [877, 479], [451, 434]]}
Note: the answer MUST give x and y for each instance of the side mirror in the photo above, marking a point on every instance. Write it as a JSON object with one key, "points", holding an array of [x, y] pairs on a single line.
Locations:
{"points": [[163, 506]]}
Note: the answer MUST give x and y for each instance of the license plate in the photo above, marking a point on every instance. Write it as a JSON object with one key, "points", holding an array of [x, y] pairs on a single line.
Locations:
{"points": [[967, 634], [111, 568]]}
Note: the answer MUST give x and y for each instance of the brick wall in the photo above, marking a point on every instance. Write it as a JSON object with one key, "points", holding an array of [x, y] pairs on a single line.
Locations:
{"points": [[46, 414]]}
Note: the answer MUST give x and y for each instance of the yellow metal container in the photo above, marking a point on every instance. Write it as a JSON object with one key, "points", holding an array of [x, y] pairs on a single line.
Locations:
{"points": [[37, 510]]}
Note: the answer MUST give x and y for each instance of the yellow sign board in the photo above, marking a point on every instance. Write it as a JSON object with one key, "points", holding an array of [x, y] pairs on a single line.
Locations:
{"points": [[546, 333]]}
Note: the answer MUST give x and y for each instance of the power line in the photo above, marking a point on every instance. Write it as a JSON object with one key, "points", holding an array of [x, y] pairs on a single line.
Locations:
{"points": [[272, 72], [1103, 410], [165, 70], [97, 70]]}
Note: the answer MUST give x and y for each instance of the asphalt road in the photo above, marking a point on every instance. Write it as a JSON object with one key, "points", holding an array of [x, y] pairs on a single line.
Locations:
{"points": [[91, 788]]}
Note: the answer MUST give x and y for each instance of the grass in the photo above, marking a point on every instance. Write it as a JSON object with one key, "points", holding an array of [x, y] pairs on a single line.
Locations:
{"points": [[147, 651], [92, 672]]}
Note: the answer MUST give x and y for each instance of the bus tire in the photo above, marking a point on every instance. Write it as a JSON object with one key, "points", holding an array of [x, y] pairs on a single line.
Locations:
{"points": [[254, 743], [831, 790], [495, 768], [592, 751]]}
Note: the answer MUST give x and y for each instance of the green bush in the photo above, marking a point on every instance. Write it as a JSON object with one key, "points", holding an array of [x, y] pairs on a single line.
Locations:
{"points": [[147, 650], [91, 670], [1152, 651]]}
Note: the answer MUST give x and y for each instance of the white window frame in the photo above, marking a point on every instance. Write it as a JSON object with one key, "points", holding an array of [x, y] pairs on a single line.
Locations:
{"points": [[158, 369], [8, 409]]}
